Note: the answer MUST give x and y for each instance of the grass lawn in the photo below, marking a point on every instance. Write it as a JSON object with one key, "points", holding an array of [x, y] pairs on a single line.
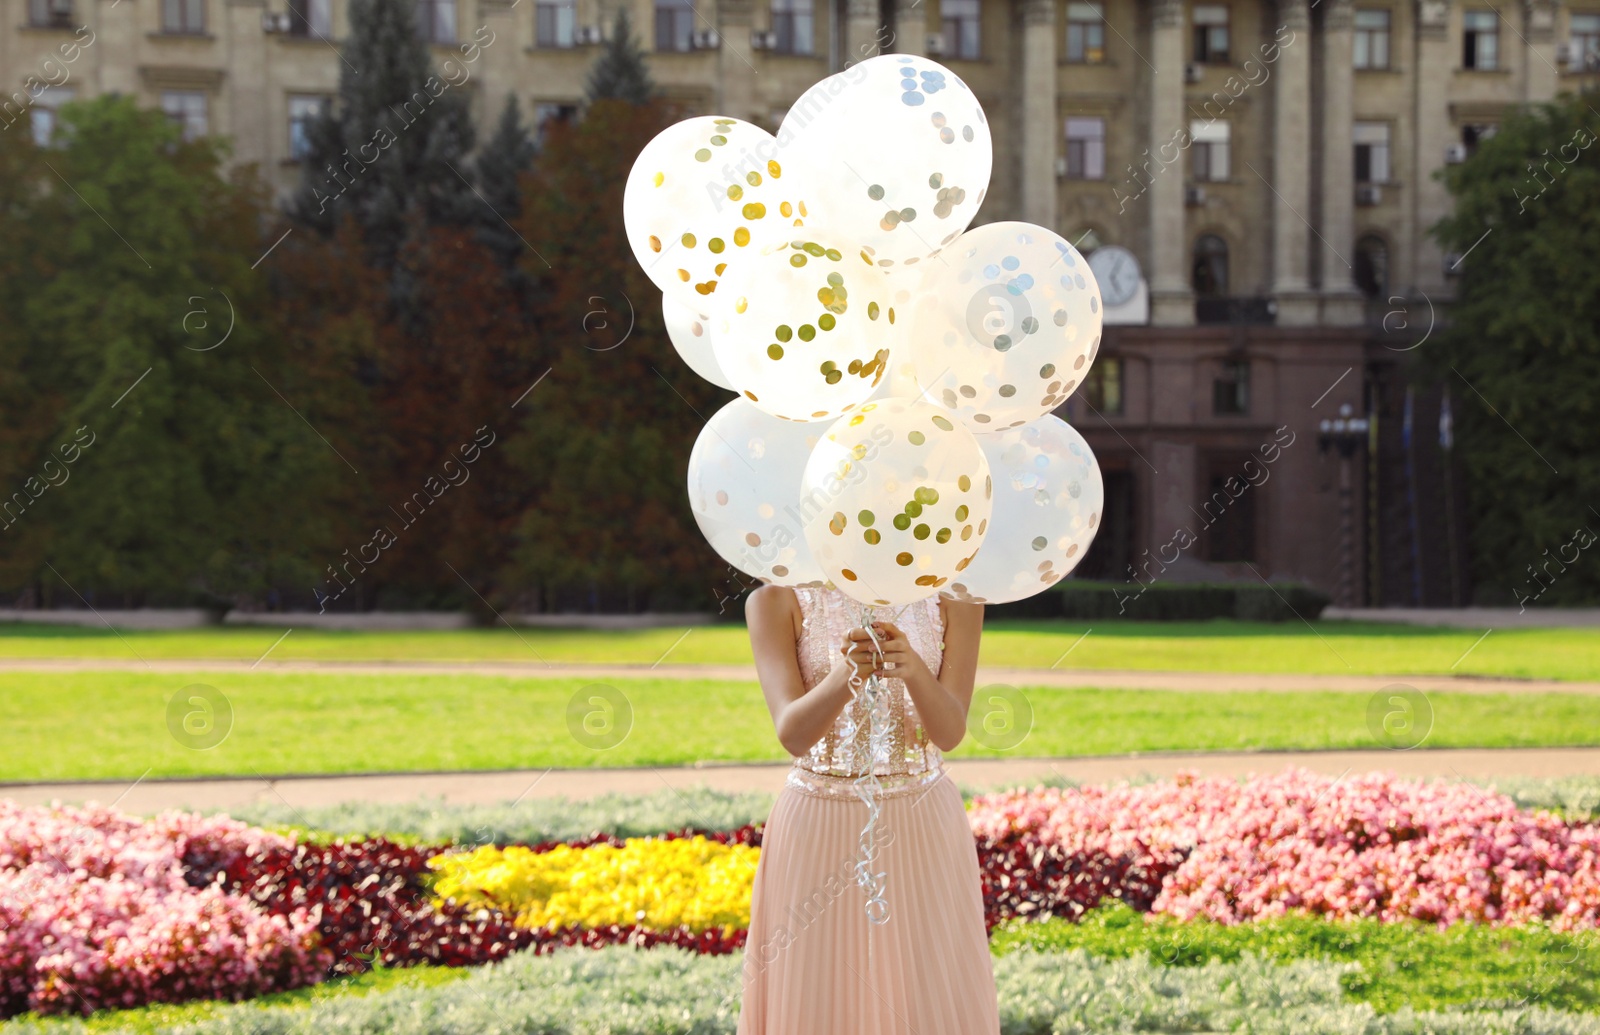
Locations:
{"points": [[113, 725], [1335, 648]]}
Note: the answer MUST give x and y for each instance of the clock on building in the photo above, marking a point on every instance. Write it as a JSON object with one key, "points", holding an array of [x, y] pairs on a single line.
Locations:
{"points": [[1117, 272]]}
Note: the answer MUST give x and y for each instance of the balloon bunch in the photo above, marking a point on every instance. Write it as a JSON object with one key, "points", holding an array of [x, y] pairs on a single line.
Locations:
{"points": [[893, 435]]}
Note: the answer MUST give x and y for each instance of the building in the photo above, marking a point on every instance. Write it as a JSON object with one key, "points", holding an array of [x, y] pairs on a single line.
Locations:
{"points": [[1256, 181]]}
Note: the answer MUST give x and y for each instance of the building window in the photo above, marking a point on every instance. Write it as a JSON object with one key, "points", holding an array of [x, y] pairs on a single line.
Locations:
{"points": [[1229, 511], [50, 14], [554, 21], [1230, 392], [1372, 152], [436, 20], [1372, 266], [42, 115], [1211, 34], [187, 108], [793, 27], [1086, 33], [1086, 148], [674, 25], [1210, 267], [310, 18], [1209, 151], [549, 113], [303, 113], [1372, 39], [961, 29], [1102, 389], [1474, 134], [1585, 41], [1480, 40], [183, 16]]}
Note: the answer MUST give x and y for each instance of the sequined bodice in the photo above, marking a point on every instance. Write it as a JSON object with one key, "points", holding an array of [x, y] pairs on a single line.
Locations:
{"points": [[828, 615]]}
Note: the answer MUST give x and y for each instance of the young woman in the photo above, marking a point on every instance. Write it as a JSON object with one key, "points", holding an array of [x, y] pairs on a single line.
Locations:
{"points": [[814, 964]]}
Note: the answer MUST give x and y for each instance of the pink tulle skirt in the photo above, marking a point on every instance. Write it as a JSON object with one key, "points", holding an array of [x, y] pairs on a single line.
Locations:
{"points": [[815, 966]]}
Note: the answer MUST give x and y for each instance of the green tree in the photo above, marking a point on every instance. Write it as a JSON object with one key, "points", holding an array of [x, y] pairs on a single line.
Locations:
{"points": [[1523, 351], [620, 73], [500, 165], [166, 470]]}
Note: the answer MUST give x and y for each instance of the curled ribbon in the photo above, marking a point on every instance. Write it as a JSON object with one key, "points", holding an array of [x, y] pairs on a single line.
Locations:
{"points": [[873, 695]]}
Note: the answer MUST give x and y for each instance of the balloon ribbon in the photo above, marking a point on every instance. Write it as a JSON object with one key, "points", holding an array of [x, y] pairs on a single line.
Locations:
{"points": [[874, 697]]}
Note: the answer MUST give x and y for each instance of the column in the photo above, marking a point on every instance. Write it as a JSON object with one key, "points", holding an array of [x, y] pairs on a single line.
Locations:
{"points": [[1041, 128], [862, 31], [1291, 172], [1341, 301], [1434, 133], [910, 27], [1171, 299], [1539, 56], [736, 87]]}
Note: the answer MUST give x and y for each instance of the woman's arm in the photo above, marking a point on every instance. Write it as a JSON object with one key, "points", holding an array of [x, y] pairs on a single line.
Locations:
{"points": [[942, 699], [801, 717]]}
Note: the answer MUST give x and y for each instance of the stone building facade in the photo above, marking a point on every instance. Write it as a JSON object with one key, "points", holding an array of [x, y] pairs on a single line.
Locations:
{"points": [[1259, 176]]}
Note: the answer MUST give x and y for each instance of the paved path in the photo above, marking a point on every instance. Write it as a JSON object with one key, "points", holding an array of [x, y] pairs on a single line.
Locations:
{"points": [[484, 787], [1114, 679]]}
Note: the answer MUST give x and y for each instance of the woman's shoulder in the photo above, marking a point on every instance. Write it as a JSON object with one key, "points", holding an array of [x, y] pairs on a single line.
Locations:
{"points": [[773, 604]]}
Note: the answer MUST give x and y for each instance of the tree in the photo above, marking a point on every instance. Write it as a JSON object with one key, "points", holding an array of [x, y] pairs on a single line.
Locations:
{"points": [[390, 152], [163, 467], [500, 165], [620, 73], [1523, 350]]}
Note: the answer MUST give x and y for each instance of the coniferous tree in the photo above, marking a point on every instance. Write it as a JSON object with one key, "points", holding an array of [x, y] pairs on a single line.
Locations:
{"points": [[499, 167], [390, 152], [619, 72]]}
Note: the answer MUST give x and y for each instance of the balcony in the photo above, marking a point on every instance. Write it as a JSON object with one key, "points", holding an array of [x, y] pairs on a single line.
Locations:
{"points": [[1258, 311]]}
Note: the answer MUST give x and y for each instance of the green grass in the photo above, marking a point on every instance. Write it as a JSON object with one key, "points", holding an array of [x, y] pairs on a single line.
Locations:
{"points": [[1408, 964], [113, 725], [1334, 648]]}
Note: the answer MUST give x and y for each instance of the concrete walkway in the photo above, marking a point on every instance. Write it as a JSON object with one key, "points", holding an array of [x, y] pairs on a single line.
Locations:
{"points": [[1113, 679], [487, 787]]}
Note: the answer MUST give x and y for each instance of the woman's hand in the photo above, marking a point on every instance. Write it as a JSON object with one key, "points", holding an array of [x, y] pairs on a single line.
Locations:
{"points": [[899, 659], [860, 655]]}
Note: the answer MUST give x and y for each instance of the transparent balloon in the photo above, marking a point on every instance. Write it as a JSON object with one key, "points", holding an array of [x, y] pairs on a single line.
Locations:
{"points": [[806, 329], [896, 500], [1005, 325], [1048, 500], [895, 153], [744, 492], [690, 334], [703, 195]]}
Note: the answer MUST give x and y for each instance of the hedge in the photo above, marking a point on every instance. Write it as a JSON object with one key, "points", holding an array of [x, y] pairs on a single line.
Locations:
{"points": [[1170, 602]]}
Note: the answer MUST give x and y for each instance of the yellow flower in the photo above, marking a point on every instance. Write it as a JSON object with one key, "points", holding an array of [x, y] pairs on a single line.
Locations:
{"points": [[658, 884]]}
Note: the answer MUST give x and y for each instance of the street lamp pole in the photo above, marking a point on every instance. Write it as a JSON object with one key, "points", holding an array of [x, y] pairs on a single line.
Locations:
{"points": [[1344, 433]]}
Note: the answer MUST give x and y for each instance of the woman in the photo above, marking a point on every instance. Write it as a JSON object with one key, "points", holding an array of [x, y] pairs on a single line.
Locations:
{"points": [[814, 965]]}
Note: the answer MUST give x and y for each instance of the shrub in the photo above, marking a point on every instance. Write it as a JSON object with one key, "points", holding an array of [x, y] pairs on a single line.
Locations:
{"points": [[1081, 600]]}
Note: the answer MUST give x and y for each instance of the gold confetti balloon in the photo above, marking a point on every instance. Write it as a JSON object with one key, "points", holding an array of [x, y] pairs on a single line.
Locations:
{"points": [[805, 330], [896, 500], [702, 196], [896, 155], [1048, 500], [744, 492], [690, 334], [1006, 325]]}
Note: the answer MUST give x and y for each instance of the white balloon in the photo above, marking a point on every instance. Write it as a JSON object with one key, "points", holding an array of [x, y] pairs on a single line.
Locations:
{"points": [[895, 154], [700, 198], [1006, 325], [896, 500], [744, 491], [806, 329], [690, 334], [1048, 501]]}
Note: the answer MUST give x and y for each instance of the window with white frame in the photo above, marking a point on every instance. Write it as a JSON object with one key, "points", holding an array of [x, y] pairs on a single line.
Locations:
{"points": [[1480, 40], [1372, 152], [188, 109], [436, 20], [1584, 35], [960, 26], [793, 27], [304, 110], [555, 22], [1371, 38], [1211, 34], [1086, 33], [1086, 148], [50, 14], [42, 115], [674, 25], [310, 18], [184, 17], [1209, 149]]}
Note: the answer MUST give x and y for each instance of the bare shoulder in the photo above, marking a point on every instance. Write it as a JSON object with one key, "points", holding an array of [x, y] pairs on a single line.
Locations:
{"points": [[960, 618], [772, 607]]}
